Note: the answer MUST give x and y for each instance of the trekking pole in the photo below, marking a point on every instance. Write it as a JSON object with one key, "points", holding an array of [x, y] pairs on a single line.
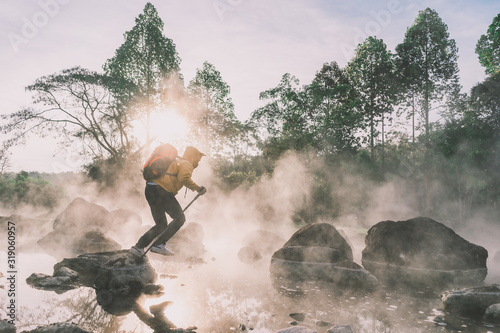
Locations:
{"points": [[156, 238]]}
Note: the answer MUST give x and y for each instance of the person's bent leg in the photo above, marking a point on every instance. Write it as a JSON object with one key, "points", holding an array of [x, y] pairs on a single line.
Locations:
{"points": [[156, 200], [174, 210]]}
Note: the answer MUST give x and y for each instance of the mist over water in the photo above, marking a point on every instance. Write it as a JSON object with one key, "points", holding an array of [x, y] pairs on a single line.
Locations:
{"points": [[223, 293]]}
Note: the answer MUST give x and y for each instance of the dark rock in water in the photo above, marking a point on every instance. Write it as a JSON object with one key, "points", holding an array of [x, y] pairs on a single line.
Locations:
{"points": [[5, 327], [340, 329], [422, 251], [107, 269], [58, 328], [492, 314], [249, 255], [53, 283], [61, 244], [119, 278], [296, 329], [319, 252], [321, 323], [187, 243], [298, 316], [470, 302]]}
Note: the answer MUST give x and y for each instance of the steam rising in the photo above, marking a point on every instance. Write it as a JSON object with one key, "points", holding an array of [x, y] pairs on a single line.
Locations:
{"points": [[225, 289]]}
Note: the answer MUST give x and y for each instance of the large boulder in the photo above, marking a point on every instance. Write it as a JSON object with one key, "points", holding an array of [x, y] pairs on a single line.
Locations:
{"points": [[318, 252], [83, 215], [422, 252], [471, 302], [85, 227], [64, 244], [119, 278]]}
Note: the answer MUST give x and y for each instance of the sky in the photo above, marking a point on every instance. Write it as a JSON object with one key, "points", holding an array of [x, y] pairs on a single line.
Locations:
{"points": [[252, 43]]}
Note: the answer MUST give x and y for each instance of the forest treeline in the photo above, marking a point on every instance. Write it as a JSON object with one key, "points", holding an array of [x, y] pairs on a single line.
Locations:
{"points": [[387, 116]]}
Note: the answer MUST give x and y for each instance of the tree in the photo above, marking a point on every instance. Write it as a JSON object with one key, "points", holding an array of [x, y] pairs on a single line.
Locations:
{"points": [[336, 116], [148, 59], [427, 60], [488, 47], [371, 72], [79, 104], [285, 122], [213, 124]]}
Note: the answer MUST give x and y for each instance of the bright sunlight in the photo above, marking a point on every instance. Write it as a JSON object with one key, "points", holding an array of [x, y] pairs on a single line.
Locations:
{"points": [[166, 126]]}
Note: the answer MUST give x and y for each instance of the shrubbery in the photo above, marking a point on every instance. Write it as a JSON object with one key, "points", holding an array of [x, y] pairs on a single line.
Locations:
{"points": [[26, 188]]}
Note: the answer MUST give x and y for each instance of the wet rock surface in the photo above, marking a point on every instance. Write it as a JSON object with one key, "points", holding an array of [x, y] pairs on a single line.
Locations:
{"points": [[421, 251], [119, 279], [58, 328], [492, 314], [471, 302], [118, 272], [319, 252], [5, 327], [340, 329]]}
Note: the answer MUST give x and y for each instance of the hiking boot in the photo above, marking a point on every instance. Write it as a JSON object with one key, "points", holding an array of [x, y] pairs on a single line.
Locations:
{"points": [[136, 251], [161, 249]]}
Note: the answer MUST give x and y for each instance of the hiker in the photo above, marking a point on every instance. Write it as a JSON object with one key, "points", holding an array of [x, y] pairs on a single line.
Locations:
{"points": [[160, 194]]}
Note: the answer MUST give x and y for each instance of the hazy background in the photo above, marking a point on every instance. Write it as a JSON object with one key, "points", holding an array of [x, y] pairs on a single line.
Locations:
{"points": [[252, 44]]}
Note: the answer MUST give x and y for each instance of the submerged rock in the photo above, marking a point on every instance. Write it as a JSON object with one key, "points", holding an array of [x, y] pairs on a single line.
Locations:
{"points": [[296, 329], [471, 302], [421, 251], [492, 314], [6, 327], [58, 328], [249, 255], [319, 252], [52, 283], [258, 244], [340, 329]]}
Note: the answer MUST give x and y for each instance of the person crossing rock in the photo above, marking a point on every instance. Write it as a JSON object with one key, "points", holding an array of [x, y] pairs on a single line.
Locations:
{"points": [[160, 195]]}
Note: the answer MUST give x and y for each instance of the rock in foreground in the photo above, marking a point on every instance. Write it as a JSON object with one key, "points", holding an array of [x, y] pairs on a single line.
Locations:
{"points": [[422, 252], [318, 252], [471, 302]]}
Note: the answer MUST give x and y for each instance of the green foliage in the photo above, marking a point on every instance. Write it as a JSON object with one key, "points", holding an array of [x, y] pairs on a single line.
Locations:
{"points": [[335, 112], [213, 124], [427, 62], [372, 72], [30, 189], [150, 61], [488, 48], [241, 172], [146, 58]]}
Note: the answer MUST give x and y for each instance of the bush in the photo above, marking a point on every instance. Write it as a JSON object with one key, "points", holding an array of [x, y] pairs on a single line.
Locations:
{"points": [[28, 189]]}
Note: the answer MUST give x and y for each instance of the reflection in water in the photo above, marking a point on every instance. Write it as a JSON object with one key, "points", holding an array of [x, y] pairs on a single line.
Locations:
{"points": [[224, 296]]}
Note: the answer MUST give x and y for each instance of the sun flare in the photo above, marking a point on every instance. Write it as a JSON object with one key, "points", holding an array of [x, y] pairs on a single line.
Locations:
{"points": [[165, 126]]}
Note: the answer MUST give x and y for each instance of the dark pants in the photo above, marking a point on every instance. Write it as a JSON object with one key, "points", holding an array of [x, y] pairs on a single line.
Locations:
{"points": [[161, 201]]}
